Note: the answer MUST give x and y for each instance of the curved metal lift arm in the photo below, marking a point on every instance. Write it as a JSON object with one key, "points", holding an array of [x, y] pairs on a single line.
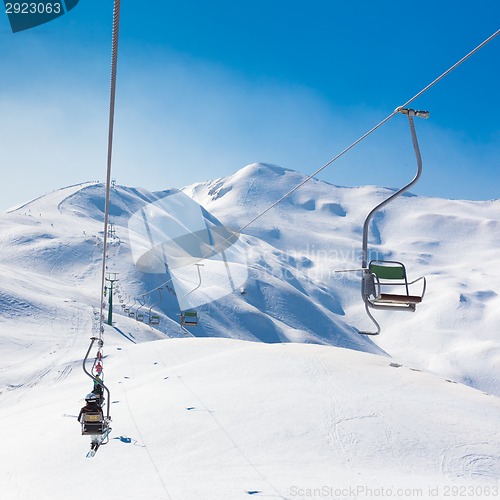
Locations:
{"points": [[410, 113], [155, 304]]}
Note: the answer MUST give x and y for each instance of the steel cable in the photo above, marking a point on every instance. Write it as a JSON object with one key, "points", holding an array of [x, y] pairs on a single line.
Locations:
{"points": [[348, 148], [114, 62]]}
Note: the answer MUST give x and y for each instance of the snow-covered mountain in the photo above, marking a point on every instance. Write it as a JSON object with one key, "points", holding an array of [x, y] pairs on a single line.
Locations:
{"points": [[455, 244], [218, 418]]}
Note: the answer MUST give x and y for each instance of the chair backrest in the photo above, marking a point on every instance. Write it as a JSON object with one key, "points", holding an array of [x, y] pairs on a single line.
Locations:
{"points": [[388, 270], [93, 423], [93, 417]]}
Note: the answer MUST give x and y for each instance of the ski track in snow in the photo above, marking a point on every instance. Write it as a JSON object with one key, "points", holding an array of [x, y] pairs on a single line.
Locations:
{"points": [[472, 461], [347, 432], [239, 454]]}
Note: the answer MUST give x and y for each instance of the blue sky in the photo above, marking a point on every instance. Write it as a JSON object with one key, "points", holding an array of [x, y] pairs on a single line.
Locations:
{"points": [[207, 87]]}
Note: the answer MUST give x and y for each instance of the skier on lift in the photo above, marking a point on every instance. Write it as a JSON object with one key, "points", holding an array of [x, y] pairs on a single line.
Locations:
{"points": [[94, 429]]}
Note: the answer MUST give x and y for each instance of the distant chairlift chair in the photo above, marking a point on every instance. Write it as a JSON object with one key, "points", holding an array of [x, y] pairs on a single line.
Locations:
{"points": [[139, 316], [154, 318], [189, 318]]}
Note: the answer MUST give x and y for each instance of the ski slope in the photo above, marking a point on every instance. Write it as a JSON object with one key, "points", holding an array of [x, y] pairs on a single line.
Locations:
{"points": [[277, 395], [231, 419]]}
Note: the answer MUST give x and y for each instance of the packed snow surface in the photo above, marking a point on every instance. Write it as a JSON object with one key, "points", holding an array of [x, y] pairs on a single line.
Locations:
{"points": [[222, 418]]}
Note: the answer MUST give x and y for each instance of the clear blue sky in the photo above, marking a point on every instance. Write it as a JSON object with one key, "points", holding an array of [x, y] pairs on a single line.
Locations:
{"points": [[207, 87]]}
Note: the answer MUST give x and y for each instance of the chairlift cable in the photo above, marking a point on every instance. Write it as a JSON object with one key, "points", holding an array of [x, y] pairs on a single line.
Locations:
{"points": [[351, 146], [96, 373], [364, 136], [114, 62], [449, 70]]}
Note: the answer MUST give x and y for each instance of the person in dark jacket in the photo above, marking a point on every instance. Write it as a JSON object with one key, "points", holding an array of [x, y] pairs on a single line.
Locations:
{"points": [[94, 428]]}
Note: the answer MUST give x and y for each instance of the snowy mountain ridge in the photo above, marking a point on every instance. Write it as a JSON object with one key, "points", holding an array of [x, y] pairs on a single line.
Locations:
{"points": [[293, 292], [224, 418], [453, 243]]}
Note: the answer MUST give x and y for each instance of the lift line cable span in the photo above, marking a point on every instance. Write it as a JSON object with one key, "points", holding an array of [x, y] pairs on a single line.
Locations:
{"points": [[348, 148]]}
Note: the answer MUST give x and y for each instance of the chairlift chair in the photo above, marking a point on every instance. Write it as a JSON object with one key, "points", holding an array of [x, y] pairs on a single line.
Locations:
{"points": [[130, 309], [189, 318], [383, 279], [154, 319], [139, 316]]}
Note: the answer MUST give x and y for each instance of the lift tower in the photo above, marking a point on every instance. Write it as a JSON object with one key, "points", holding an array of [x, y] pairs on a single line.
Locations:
{"points": [[110, 299]]}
